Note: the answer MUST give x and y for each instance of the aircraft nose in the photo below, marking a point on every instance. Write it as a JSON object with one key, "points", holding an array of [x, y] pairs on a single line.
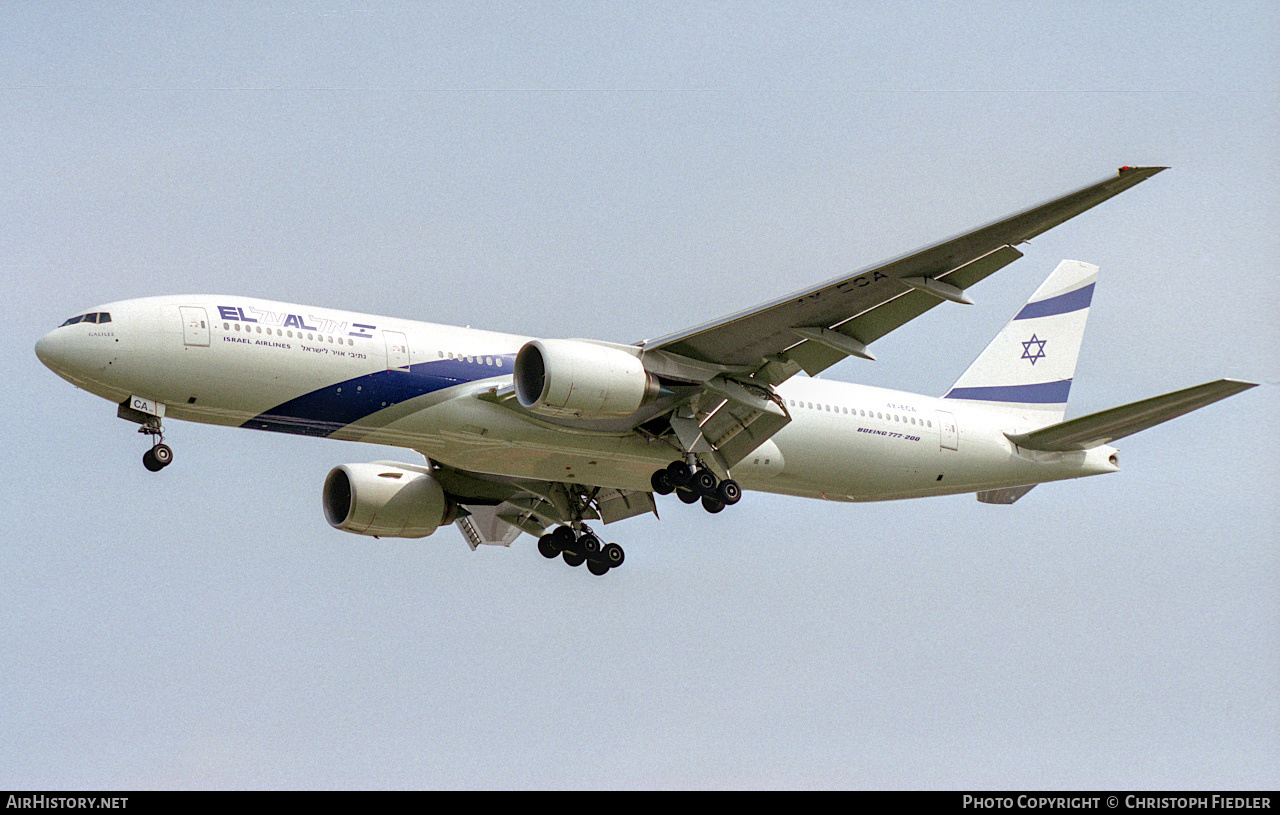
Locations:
{"points": [[74, 356], [52, 351]]}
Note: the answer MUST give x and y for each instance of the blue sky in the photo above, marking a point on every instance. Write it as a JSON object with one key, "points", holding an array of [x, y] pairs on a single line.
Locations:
{"points": [[621, 171]]}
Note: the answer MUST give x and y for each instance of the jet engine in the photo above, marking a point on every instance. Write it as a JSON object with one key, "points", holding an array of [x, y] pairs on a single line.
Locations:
{"points": [[384, 499], [583, 380]]}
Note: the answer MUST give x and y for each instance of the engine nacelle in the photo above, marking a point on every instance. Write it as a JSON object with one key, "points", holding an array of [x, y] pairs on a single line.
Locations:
{"points": [[385, 500], [575, 379]]}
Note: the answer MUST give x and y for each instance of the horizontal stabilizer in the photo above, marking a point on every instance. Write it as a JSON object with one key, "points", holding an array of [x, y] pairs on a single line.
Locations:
{"points": [[1106, 426]]}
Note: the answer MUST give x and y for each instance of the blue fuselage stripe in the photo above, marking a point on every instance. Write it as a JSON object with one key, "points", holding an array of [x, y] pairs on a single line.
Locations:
{"points": [[1062, 304], [325, 411]]}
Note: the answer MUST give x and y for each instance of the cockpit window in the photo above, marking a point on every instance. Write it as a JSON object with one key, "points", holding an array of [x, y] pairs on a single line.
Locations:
{"points": [[95, 317]]}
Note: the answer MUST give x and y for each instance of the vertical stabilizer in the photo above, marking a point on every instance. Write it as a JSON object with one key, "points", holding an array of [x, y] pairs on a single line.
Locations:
{"points": [[1026, 371]]}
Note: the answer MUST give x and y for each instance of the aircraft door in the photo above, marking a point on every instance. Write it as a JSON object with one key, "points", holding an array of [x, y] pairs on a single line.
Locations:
{"points": [[397, 351], [950, 437], [195, 325]]}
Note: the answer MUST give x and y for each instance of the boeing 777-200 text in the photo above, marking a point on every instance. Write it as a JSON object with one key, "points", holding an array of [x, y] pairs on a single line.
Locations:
{"points": [[543, 435]]}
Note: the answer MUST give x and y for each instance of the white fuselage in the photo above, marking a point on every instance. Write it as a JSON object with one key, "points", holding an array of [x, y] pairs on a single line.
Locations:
{"points": [[277, 366]]}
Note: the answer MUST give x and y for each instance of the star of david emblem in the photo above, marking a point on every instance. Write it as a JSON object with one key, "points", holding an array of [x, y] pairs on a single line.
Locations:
{"points": [[1033, 349]]}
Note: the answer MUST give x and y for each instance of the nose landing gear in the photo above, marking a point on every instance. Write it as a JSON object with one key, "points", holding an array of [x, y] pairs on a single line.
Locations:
{"points": [[160, 455], [149, 414]]}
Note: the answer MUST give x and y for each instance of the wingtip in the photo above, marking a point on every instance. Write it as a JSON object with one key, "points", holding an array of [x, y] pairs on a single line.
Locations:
{"points": [[1239, 384], [1147, 171]]}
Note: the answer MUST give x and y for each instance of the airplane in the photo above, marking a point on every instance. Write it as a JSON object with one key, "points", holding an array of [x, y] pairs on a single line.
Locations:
{"points": [[540, 436]]}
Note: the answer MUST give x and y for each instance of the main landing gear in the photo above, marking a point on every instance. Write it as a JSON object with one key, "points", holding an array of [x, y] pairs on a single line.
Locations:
{"points": [[577, 548], [692, 483], [160, 455]]}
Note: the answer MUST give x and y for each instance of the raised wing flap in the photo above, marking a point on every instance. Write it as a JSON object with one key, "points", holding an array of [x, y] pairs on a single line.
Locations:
{"points": [[748, 337], [482, 526], [757, 399], [618, 505], [1106, 426], [1006, 495]]}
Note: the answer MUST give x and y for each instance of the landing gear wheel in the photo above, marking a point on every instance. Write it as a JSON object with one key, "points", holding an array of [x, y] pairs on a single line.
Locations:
{"points": [[613, 555], [157, 458], [661, 483], [686, 495], [729, 492], [548, 546], [704, 482], [597, 567], [573, 558], [589, 545], [712, 505], [678, 473]]}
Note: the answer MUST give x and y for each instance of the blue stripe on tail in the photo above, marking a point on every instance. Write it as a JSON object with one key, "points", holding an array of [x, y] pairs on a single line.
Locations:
{"points": [[1041, 393], [1062, 304]]}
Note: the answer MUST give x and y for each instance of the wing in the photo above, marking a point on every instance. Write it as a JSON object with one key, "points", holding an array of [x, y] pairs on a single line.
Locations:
{"points": [[716, 382], [814, 328]]}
